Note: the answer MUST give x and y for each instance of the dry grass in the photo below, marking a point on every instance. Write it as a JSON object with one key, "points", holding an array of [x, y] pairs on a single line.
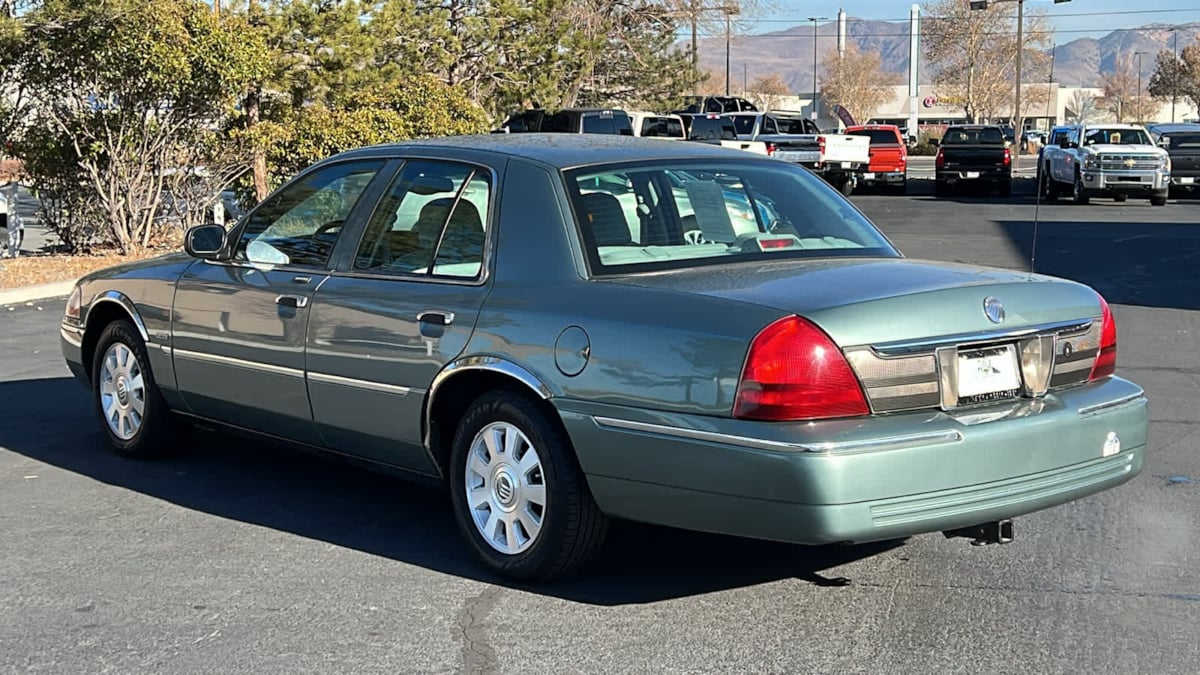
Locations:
{"points": [[30, 270]]}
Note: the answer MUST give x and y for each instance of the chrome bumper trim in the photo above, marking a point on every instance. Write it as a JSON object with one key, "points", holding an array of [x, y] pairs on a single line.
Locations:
{"points": [[886, 443], [1115, 403]]}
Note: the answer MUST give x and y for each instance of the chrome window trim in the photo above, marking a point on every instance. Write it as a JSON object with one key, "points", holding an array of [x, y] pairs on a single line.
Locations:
{"points": [[237, 363], [871, 444], [909, 347], [370, 385]]}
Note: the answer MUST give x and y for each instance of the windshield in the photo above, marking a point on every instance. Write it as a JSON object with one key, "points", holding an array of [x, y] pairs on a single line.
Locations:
{"points": [[984, 136], [1116, 137], [635, 218]]}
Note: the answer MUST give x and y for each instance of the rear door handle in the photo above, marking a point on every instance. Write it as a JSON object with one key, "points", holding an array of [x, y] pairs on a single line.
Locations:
{"points": [[294, 301], [436, 318]]}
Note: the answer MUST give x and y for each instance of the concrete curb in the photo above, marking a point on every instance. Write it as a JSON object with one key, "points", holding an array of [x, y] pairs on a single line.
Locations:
{"points": [[58, 289]]}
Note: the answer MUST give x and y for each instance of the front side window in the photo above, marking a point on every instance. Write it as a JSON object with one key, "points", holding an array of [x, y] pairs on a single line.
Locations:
{"points": [[430, 222], [653, 217], [300, 224]]}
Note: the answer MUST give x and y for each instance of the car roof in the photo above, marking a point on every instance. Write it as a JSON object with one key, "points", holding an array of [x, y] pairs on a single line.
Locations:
{"points": [[557, 150]]}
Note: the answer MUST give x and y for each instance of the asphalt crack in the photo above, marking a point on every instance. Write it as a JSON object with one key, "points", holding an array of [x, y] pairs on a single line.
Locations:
{"points": [[477, 655]]}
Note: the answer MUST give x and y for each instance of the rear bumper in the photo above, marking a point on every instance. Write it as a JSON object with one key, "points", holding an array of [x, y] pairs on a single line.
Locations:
{"points": [[1187, 181], [870, 177], [866, 480], [973, 174]]}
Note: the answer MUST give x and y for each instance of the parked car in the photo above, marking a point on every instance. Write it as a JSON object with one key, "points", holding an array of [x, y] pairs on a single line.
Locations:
{"points": [[650, 124], [888, 165], [570, 121], [557, 354], [1109, 160], [792, 137], [973, 154]]}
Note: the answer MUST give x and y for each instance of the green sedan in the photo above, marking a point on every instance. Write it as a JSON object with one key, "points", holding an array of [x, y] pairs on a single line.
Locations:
{"points": [[563, 330]]}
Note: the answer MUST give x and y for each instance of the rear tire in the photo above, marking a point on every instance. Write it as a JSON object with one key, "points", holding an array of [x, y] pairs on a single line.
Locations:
{"points": [[127, 399], [514, 455], [1159, 200], [846, 186], [941, 188], [1005, 188], [1119, 197]]}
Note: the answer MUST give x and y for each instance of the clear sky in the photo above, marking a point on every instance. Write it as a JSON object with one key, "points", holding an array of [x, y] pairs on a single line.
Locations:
{"points": [[1078, 18]]}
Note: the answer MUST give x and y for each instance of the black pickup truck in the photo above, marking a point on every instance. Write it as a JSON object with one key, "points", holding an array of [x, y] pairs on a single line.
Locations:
{"points": [[973, 154], [1184, 149]]}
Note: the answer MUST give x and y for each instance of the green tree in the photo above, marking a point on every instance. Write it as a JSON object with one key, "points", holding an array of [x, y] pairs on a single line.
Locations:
{"points": [[128, 97], [1177, 78]]}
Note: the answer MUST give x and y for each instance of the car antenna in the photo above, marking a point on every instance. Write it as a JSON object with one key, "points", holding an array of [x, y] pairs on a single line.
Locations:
{"points": [[1037, 198]]}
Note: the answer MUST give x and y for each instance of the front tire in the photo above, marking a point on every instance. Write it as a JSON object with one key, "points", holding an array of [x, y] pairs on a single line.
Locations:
{"points": [[1120, 197], [1080, 195], [519, 497], [127, 399], [1159, 200]]}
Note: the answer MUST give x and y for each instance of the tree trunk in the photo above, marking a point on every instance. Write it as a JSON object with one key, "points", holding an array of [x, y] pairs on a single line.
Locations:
{"points": [[259, 159]]}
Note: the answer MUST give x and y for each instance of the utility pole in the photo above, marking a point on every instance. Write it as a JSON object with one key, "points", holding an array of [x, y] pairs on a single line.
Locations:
{"points": [[1174, 72], [814, 20]]}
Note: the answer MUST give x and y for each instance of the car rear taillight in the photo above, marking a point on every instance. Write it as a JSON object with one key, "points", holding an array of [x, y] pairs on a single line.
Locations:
{"points": [[1007, 157], [821, 144], [771, 149], [940, 159], [1106, 359], [794, 371]]}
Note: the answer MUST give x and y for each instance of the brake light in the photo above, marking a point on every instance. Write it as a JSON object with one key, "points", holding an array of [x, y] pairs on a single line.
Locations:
{"points": [[770, 149], [794, 371], [940, 160], [821, 144], [1007, 157], [1106, 359]]}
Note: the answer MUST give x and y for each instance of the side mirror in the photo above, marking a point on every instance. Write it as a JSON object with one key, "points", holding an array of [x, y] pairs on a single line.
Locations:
{"points": [[204, 241]]}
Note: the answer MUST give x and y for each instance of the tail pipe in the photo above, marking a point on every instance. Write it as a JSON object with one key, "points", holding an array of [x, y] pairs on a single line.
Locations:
{"points": [[996, 532]]}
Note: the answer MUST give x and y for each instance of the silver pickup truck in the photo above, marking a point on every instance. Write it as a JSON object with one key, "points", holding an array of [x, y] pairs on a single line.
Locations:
{"points": [[1110, 160]]}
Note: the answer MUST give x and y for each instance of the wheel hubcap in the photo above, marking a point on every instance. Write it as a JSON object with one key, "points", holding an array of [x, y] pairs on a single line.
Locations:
{"points": [[506, 488], [122, 391]]}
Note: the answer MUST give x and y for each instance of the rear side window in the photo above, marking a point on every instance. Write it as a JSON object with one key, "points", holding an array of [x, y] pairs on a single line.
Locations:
{"points": [[877, 136], [1181, 141], [745, 125]]}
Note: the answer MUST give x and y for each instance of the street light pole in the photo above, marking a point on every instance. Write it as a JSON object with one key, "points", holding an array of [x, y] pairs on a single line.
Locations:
{"points": [[814, 20], [1017, 122], [1174, 71]]}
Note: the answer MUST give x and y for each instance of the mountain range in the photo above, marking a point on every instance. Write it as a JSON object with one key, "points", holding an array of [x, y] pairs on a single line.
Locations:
{"points": [[789, 52]]}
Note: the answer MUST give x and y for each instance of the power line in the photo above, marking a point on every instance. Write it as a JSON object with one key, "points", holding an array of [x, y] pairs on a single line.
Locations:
{"points": [[930, 17], [926, 32]]}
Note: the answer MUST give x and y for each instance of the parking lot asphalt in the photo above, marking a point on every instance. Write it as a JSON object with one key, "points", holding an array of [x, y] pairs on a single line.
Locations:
{"points": [[239, 557]]}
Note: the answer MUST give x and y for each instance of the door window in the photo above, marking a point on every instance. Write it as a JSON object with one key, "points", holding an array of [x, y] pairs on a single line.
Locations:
{"points": [[300, 224], [431, 222]]}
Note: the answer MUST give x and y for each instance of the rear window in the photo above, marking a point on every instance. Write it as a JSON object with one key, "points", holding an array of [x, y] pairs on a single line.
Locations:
{"points": [[984, 136], [793, 125], [712, 129], [663, 127], [648, 217], [877, 136]]}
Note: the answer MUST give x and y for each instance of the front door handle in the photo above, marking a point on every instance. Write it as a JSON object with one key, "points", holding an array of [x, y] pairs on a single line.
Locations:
{"points": [[436, 318], [294, 301]]}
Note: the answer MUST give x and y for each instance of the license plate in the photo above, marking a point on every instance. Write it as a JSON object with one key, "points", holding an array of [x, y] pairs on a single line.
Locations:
{"points": [[1186, 180], [972, 174], [988, 374], [869, 176], [847, 165]]}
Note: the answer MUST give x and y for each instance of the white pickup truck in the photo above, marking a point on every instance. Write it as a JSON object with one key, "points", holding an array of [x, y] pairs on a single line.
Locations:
{"points": [[793, 138], [1109, 160]]}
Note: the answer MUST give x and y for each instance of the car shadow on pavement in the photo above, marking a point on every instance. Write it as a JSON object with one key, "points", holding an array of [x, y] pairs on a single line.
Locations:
{"points": [[321, 498], [1132, 263]]}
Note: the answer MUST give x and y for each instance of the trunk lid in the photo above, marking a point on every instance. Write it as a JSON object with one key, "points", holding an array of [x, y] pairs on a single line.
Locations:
{"points": [[862, 301]]}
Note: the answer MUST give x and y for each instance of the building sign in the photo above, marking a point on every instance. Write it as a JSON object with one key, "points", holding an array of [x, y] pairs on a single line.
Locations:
{"points": [[930, 101]]}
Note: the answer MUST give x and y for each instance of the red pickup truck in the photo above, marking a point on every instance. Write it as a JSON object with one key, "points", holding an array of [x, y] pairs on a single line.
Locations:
{"points": [[889, 157]]}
